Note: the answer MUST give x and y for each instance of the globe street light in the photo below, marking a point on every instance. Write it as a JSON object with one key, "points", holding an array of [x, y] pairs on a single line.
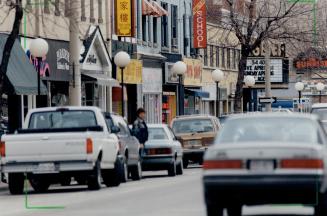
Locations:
{"points": [[179, 68], [217, 76], [320, 86], [122, 59], [39, 48], [249, 81], [299, 86]]}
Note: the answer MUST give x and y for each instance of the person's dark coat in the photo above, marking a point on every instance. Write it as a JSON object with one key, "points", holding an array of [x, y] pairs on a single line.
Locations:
{"points": [[140, 130]]}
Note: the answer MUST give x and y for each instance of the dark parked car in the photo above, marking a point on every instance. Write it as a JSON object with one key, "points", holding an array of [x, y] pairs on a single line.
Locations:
{"points": [[129, 146]]}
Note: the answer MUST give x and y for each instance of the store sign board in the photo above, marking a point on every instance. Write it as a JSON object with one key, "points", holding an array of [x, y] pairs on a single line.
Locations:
{"points": [[124, 18], [256, 67], [132, 73], [194, 72], [199, 24], [152, 80]]}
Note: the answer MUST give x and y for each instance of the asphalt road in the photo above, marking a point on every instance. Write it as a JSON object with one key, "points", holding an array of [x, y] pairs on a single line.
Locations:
{"points": [[156, 195]]}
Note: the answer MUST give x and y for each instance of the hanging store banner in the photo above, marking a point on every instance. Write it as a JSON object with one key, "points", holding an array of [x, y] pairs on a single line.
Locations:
{"points": [[193, 73], [124, 18], [132, 73], [256, 68], [199, 24]]}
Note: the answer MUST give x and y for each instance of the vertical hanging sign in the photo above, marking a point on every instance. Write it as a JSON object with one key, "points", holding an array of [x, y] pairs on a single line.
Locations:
{"points": [[199, 24], [123, 17]]}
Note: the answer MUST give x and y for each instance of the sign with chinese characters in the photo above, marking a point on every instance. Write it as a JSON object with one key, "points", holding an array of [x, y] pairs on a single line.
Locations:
{"points": [[199, 24], [256, 68], [132, 73], [124, 17], [193, 73]]}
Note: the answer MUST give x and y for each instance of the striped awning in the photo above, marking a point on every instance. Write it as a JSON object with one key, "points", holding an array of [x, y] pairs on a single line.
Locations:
{"points": [[162, 11], [148, 9]]}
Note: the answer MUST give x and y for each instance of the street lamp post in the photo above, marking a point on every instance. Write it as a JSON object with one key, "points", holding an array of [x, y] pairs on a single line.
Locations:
{"points": [[299, 86], [320, 86], [39, 49], [217, 76], [122, 59], [249, 81], [179, 68]]}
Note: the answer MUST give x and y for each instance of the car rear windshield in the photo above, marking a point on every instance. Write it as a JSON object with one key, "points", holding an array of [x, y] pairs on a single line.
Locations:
{"points": [[192, 126], [157, 134], [62, 119], [321, 112], [297, 130]]}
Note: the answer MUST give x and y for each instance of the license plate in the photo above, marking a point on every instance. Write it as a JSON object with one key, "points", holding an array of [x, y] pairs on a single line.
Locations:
{"points": [[45, 168], [193, 142], [262, 165]]}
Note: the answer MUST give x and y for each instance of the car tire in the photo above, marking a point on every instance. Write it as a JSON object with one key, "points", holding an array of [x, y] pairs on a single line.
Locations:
{"points": [[136, 172], [39, 184], [112, 177], [16, 183], [321, 208], [94, 180], [234, 210], [180, 168], [185, 163], [214, 210], [65, 181], [124, 171], [172, 169]]}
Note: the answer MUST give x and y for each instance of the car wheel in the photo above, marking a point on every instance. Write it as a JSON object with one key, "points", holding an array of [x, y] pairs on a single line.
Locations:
{"points": [[94, 180], [39, 184], [16, 183], [172, 169], [234, 210], [214, 210], [180, 169], [112, 177], [136, 172], [65, 181], [321, 208], [185, 163]]}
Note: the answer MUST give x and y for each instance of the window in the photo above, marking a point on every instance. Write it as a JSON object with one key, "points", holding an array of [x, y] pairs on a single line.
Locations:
{"points": [[149, 29], [164, 27], [67, 8], [174, 17], [217, 56], [57, 10], [205, 57], [100, 19], [155, 30], [157, 134], [193, 126], [234, 58], [83, 17], [92, 19], [223, 57], [211, 55], [228, 58], [139, 7], [46, 6], [144, 38]]}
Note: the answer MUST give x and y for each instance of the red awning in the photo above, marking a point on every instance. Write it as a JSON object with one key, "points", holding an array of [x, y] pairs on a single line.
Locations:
{"points": [[148, 9], [161, 10]]}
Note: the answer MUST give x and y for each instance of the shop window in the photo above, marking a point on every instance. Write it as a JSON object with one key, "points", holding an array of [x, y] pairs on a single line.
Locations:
{"points": [[228, 58], [57, 10], [174, 26], [144, 36], [211, 55], [164, 27], [205, 57], [155, 30], [217, 56]]}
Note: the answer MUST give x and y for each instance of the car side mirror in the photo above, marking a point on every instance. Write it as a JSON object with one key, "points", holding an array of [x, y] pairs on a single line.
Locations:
{"points": [[115, 129]]}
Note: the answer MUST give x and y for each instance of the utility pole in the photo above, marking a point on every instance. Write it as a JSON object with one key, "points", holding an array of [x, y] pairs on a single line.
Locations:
{"points": [[267, 75], [74, 50]]}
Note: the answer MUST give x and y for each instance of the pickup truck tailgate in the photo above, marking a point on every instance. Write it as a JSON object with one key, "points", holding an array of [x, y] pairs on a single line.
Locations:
{"points": [[38, 147]]}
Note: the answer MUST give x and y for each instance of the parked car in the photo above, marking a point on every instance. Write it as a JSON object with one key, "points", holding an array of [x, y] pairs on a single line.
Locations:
{"points": [[129, 146], [320, 109], [196, 133], [162, 151], [261, 159], [57, 144]]}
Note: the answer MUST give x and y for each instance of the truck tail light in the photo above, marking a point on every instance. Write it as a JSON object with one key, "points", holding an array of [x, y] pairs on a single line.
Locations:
{"points": [[89, 146], [302, 164], [222, 164], [2, 149]]}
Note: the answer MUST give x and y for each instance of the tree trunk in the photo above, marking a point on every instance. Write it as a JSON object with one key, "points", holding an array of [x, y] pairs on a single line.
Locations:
{"points": [[240, 79], [8, 47]]}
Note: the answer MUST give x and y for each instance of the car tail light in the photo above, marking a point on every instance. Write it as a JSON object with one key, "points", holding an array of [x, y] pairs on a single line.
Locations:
{"points": [[302, 164], [89, 146], [2, 149], [223, 164], [159, 151]]}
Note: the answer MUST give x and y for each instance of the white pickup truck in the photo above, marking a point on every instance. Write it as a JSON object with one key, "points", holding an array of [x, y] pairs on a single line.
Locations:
{"points": [[57, 144]]}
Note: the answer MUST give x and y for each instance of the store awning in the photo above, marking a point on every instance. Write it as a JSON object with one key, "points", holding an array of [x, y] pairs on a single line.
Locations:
{"points": [[20, 72], [197, 93], [161, 10], [148, 9], [103, 79]]}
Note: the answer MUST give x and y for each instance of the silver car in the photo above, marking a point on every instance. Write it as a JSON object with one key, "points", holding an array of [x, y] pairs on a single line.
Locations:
{"points": [[270, 158], [162, 151]]}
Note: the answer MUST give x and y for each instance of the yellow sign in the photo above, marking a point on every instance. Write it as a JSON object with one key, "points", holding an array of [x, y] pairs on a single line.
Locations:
{"points": [[193, 73], [132, 73], [124, 17]]}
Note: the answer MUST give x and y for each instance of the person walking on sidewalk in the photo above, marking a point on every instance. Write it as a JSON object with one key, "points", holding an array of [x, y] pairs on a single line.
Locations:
{"points": [[140, 129]]}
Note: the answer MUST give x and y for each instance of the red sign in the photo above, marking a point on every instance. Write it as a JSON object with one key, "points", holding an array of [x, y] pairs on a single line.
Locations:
{"points": [[199, 24]]}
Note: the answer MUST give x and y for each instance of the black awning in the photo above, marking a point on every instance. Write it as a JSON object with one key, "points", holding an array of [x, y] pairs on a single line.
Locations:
{"points": [[197, 93], [21, 74]]}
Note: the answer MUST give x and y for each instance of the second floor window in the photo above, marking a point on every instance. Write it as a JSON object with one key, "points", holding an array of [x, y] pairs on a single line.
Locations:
{"points": [[174, 29], [211, 56], [228, 59], [205, 57], [155, 30], [164, 27], [144, 26], [217, 56], [223, 57]]}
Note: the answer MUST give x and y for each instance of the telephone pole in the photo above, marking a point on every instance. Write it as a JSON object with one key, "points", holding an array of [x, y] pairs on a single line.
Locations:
{"points": [[74, 50], [267, 75]]}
